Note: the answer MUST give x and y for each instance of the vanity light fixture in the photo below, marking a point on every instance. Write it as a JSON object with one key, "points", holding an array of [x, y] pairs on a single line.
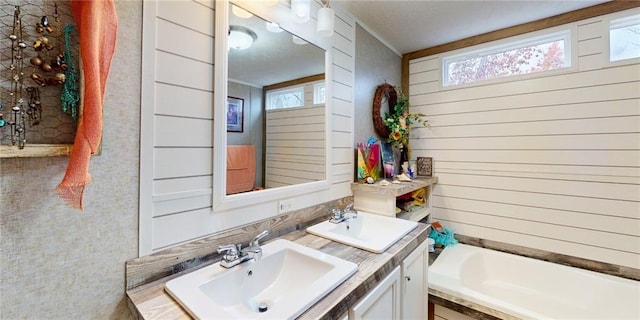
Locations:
{"points": [[240, 13], [241, 38], [300, 10], [326, 17], [273, 27]]}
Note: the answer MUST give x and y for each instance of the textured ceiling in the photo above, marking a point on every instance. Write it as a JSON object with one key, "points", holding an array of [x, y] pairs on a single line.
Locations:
{"points": [[407, 26], [404, 26], [273, 57]]}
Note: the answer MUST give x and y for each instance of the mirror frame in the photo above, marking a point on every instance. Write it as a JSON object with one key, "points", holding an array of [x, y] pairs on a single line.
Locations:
{"points": [[281, 15], [388, 91]]}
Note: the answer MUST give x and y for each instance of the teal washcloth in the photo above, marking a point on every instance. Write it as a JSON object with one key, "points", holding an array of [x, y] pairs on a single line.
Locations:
{"points": [[445, 239]]}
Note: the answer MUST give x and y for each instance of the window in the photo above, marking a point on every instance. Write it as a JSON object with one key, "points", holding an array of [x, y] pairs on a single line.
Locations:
{"points": [[285, 98], [318, 93], [535, 54], [624, 38]]}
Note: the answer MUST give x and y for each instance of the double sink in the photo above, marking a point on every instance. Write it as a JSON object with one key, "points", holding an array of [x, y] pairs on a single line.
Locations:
{"points": [[288, 278]]}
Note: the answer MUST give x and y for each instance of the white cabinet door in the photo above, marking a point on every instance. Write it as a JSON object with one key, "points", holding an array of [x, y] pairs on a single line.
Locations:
{"points": [[383, 302], [414, 284]]}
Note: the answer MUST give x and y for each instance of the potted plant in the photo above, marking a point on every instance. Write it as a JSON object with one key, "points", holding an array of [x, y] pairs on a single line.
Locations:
{"points": [[399, 123]]}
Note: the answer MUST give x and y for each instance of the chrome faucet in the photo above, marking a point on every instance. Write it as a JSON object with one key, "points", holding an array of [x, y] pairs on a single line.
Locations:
{"points": [[254, 250], [338, 215], [235, 254]]}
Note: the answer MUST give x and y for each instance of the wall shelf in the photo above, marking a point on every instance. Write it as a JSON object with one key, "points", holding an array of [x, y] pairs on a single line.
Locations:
{"points": [[379, 199], [36, 151]]}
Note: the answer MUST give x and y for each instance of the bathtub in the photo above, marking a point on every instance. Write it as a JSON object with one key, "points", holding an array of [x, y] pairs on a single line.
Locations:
{"points": [[532, 289]]}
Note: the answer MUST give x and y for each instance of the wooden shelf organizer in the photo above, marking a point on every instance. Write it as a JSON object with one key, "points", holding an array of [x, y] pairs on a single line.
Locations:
{"points": [[379, 199]]}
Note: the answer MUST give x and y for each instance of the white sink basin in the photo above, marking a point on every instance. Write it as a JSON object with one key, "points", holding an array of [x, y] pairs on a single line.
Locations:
{"points": [[288, 280], [368, 231]]}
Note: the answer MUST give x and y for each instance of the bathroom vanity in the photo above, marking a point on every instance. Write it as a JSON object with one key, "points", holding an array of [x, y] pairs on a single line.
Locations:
{"points": [[384, 281], [401, 295]]}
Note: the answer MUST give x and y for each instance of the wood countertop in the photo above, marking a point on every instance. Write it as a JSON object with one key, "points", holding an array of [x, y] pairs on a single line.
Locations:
{"points": [[395, 189], [150, 301]]}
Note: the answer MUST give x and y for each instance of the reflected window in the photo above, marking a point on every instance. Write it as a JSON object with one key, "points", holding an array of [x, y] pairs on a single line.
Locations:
{"points": [[291, 97], [318, 93]]}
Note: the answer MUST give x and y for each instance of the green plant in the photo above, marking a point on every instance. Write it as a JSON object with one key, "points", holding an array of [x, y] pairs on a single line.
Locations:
{"points": [[399, 122]]}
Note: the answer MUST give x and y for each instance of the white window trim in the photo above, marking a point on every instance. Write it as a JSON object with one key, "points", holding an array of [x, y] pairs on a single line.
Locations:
{"points": [[285, 90], [569, 31], [626, 17], [307, 88], [316, 88]]}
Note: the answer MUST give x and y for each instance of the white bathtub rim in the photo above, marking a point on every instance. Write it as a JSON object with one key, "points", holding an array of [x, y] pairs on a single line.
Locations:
{"points": [[469, 250], [443, 271], [457, 290], [454, 287]]}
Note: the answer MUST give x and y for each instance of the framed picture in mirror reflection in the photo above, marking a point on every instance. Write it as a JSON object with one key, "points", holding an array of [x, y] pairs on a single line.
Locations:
{"points": [[235, 108]]}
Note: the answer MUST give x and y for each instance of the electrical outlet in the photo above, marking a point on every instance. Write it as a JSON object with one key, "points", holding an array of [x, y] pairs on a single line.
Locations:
{"points": [[285, 205]]}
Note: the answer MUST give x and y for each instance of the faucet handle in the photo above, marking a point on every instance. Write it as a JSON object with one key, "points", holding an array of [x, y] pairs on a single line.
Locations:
{"points": [[256, 240], [337, 213], [348, 207], [230, 250]]}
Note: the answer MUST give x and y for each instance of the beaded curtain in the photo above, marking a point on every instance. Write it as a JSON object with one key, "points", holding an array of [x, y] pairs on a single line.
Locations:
{"points": [[56, 126]]}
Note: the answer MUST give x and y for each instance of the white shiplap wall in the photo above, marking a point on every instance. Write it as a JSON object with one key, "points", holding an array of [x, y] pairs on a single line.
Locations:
{"points": [[177, 125], [295, 146], [550, 162]]}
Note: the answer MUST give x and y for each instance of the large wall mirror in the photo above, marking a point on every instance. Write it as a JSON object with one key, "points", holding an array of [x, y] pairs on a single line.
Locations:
{"points": [[271, 115]]}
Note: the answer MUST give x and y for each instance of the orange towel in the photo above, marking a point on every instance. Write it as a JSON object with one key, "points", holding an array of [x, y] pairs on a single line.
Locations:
{"points": [[238, 156], [97, 26], [241, 168]]}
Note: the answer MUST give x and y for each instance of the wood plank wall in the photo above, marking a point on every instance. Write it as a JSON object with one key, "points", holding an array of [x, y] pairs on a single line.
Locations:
{"points": [[177, 125], [295, 144], [549, 162]]}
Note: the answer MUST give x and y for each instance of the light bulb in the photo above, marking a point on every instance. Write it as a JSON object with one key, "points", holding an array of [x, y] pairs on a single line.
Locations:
{"points": [[299, 41], [273, 27], [326, 17], [240, 13], [300, 10]]}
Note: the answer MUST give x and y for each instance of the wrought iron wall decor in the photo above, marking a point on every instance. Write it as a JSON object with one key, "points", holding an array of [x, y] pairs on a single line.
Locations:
{"points": [[39, 97], [17, 120]]}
